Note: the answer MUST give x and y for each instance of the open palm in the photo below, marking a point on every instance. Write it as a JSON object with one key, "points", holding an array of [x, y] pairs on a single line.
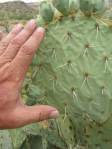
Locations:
{"points": [[16, 52]]}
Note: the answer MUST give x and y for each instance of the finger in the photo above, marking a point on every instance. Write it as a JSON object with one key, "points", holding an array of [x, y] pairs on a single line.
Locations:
{"points": [[5, 42], [20, 39], [27, 51], [27, 115]]}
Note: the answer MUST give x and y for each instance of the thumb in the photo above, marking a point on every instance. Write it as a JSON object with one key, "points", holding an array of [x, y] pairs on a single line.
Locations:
{"points": [[32, 114]]}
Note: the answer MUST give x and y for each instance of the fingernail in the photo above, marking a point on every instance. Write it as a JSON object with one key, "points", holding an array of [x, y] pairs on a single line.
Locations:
{"points": [[41, 29], [54, 114], [32, 22], [19, 26]]}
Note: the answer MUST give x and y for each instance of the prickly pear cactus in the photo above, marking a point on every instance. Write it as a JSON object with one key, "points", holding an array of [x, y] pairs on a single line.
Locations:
{"points": [[72, 71]]}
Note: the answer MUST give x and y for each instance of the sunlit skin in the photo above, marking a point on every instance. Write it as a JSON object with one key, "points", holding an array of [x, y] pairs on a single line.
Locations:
{"points": [[16, 53]]}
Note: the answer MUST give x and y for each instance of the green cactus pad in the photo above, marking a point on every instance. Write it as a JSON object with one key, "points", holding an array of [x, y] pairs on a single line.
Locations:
{"points": [[73, 72]]}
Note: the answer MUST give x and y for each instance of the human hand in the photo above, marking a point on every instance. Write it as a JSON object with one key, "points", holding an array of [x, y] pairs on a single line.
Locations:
{"points": [[16, 53]]}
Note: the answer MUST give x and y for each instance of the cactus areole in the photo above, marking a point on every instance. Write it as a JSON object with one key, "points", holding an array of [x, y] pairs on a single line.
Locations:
{"points": [[72, 70]]}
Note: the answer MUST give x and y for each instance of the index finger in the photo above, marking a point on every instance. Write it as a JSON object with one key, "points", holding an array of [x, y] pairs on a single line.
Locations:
{"points": [[27, 51]]}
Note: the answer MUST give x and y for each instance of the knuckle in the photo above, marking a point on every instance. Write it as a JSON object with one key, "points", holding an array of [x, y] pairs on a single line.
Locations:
{"points": [[42, 117], [27, 50], [4, 44], [28, 30], [16, 42]]}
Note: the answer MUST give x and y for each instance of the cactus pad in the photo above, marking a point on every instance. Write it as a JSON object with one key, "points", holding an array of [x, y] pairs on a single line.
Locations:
{"points": [[73, 71]]}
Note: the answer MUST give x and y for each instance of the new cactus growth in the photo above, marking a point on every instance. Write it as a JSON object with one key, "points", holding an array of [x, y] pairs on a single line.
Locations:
{"points": [[92, 6]]}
